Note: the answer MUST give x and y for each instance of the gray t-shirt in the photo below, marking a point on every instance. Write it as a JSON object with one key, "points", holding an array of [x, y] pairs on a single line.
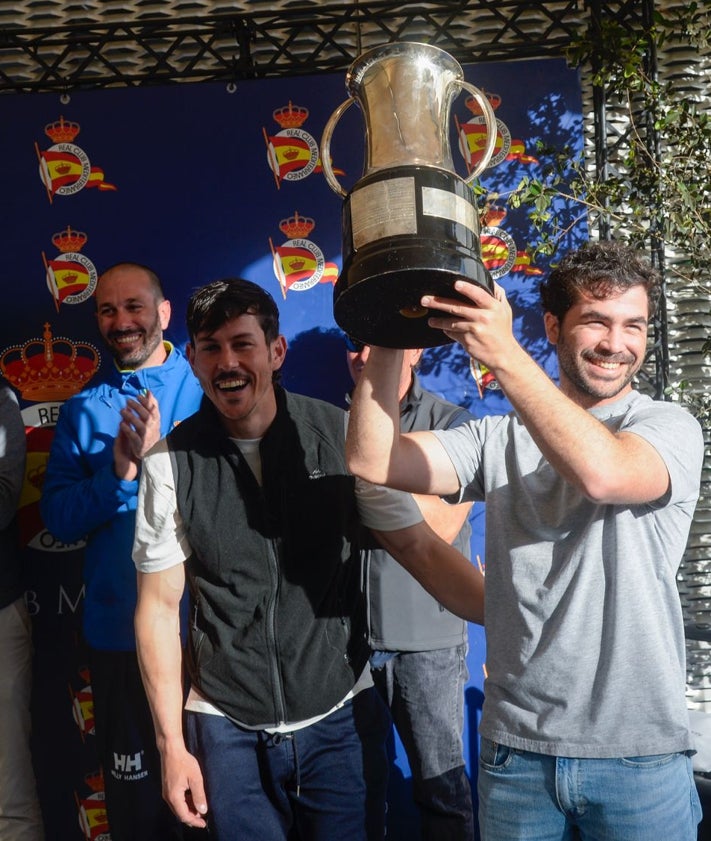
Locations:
{"points": [[402, 616], [585, 638]]}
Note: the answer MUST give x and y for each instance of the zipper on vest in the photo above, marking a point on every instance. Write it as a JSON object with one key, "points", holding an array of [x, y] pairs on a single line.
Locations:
{"points": [[272, 641]]}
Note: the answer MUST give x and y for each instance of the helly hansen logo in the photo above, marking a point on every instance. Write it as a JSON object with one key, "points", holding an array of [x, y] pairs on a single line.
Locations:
{"points": [[128, 767]]}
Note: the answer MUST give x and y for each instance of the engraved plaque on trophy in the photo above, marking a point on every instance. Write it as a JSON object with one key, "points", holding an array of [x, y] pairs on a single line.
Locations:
{"points": [[410, 224]]}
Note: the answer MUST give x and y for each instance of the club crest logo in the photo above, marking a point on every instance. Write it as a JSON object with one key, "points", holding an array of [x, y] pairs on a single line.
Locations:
{"points": [[46, 372], [499, 252], [498, 249], [299, 263], [484, 379], [292, 153], [65, 168], [91, 808], [71, 277], [472, 137], [83, 704]]}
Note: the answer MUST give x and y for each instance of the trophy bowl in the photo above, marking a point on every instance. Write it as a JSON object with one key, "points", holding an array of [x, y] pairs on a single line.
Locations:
{"points": [[410, 225]]}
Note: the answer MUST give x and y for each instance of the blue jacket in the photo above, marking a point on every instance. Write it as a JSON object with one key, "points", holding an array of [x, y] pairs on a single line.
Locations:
{"points": [[82, 498]]}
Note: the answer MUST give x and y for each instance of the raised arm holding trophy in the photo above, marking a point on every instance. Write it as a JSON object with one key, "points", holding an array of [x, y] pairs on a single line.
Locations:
{"points": [[410, 224]]}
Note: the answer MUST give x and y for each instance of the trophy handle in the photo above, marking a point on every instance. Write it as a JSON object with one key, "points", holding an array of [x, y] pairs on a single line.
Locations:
{"points": [[491, 129], [333, 182]]}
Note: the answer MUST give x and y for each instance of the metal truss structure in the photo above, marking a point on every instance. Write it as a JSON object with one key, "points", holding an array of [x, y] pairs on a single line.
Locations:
{"points": [[157, 42]]}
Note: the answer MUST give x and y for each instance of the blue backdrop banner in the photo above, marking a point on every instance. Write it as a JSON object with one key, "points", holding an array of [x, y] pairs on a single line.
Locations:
{"points": [[201, 182]]}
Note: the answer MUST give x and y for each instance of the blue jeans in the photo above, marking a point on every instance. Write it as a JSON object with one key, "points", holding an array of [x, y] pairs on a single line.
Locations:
{"points": [[425, 693], [526, 796], [325, 782]]}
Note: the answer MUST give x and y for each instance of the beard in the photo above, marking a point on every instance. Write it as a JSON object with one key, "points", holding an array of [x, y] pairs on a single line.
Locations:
{"points": [[135, 356], [582, 379]]}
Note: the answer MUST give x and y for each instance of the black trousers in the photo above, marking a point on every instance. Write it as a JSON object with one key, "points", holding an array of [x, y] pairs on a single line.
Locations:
{"points": [[126, 747]]}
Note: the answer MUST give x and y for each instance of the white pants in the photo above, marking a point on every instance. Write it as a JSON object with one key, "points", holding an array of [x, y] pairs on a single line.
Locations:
{"points": [[20, 817]]}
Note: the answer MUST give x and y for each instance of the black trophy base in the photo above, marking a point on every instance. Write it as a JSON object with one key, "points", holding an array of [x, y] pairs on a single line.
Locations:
{"points": [[408, 231], [378, 302]]}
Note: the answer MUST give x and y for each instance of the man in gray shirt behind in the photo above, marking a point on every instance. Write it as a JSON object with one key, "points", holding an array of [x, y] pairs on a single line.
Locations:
{"points": [[420, 648]]}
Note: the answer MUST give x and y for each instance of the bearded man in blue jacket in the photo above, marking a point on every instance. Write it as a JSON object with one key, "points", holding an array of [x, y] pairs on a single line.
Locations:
{"points": [[90, 492]]}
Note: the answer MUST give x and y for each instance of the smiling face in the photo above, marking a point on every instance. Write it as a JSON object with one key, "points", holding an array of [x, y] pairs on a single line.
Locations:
{"points": [[601, 344], [235, 366], [131, 317]]}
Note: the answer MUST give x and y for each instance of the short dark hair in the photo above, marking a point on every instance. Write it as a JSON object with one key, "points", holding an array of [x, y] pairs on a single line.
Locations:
{"points": [[599, 269], [153, 278], [218, 302]]}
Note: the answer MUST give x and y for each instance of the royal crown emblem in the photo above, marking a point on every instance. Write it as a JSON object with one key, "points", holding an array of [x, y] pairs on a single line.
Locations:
{"points": [[62, 131], [494, 215], [492, 98], [49, 369], [68, 240], [472, 133], [296, 226], [290, 116]]}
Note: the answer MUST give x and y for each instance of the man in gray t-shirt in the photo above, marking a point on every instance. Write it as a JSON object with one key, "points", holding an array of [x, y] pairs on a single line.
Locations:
{"points": [[590, 490]]}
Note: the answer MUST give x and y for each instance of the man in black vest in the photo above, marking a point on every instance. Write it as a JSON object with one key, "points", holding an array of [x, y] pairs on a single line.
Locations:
{"points": [[250, 501]]}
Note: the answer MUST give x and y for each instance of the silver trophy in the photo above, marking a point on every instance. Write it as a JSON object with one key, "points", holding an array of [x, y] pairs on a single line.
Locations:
{"points": [[410, 224]]}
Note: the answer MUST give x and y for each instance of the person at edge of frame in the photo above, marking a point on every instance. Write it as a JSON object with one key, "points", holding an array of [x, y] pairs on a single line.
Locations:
{"points": [[20, 814]]}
